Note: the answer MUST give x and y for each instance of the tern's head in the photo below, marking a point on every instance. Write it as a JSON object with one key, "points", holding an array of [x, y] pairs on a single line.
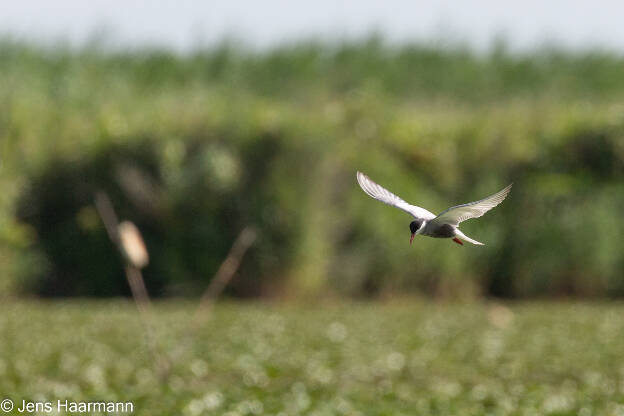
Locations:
{"points": [[414, 228]]}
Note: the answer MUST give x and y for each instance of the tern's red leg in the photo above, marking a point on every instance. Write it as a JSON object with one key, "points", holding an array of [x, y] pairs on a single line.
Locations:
{"points": [[458, 241]]}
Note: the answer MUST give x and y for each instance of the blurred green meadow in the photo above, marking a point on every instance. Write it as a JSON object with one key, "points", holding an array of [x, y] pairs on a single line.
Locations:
{"points": [[195, 147], [373, 358]]}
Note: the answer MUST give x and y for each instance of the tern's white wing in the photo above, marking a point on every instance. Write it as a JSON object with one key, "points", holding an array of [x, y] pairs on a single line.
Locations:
{"points": [[459, 213], [382, 194]]}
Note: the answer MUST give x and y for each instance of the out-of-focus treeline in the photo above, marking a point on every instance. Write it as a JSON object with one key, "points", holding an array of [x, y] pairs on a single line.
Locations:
{"points": [[195, 147]]}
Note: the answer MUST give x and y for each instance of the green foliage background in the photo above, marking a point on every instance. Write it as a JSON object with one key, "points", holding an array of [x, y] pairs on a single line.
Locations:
{"points": [[193, 148]]}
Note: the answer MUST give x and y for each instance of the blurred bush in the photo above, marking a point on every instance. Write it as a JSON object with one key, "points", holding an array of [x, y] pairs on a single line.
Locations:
{"points": [[193, 148]]}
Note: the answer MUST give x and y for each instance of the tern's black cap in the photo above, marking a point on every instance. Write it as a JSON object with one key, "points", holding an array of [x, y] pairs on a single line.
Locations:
{"points": [[415, 225]]}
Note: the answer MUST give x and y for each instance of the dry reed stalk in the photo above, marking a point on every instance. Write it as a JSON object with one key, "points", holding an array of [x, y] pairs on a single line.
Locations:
{"points": [[127, 238], [226, 270]]}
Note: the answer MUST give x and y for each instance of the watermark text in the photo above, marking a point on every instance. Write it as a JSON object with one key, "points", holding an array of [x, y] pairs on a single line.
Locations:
{"points": [[66, 406]]}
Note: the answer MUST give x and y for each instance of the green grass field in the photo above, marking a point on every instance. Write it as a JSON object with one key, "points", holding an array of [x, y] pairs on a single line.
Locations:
{"points": [[407, 357]]}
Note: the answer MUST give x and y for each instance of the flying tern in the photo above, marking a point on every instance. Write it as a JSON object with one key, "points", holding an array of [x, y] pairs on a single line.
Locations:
{"points": [[443, 225]]}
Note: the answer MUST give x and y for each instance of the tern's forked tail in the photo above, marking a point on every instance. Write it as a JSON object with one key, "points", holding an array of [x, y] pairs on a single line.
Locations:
{"points": [[470, 240]]}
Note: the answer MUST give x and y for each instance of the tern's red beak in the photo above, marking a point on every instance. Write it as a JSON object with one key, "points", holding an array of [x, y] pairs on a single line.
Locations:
{"points": [[412, 238]]}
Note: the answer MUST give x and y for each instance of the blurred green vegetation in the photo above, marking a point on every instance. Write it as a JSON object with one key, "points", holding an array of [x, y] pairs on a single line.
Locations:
{"points": [[397, 358], [193, 148]]}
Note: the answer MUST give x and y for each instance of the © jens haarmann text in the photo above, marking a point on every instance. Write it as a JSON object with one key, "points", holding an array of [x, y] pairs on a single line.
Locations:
{"points": [[67, 406]]}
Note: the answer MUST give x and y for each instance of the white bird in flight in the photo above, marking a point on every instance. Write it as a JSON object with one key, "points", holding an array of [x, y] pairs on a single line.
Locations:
{"points": [[444, 225]]}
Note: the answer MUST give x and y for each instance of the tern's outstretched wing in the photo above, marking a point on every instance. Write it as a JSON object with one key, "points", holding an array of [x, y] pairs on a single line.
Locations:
{"points": [[381, 194], [459, 213]]}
